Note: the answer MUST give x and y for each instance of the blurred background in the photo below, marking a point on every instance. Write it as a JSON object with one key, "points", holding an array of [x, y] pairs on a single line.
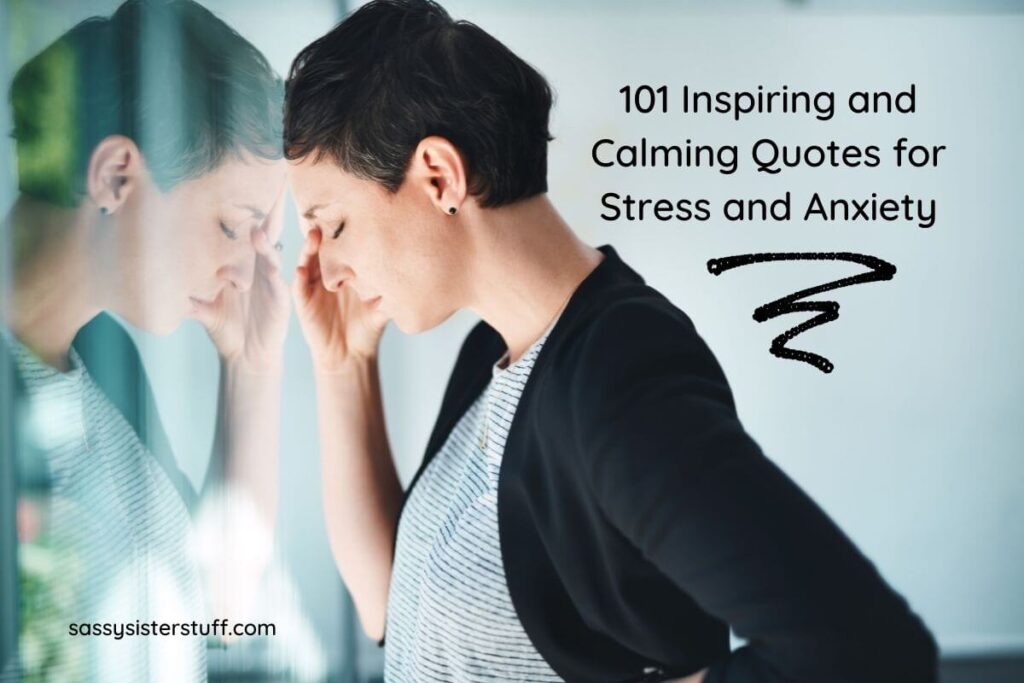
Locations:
{"points": [[913, 444]]}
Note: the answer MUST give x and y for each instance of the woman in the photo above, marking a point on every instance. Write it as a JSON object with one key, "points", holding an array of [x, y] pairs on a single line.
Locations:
{"points": [[589, 507], [150, 183]]}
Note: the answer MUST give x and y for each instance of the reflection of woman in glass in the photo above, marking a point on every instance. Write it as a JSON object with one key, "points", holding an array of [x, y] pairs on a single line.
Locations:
{"points": [[589, 508], [150, 184]]}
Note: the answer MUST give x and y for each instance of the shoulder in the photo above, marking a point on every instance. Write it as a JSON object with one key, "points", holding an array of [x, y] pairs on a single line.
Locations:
{"points": [[481, 339], [114, 363], [638, 317], [104, 337], [634, 336], [481, 347]]}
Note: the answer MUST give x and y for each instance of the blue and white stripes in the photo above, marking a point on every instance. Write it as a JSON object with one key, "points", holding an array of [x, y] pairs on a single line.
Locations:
{"points": [[449, 616], [117, 539]]}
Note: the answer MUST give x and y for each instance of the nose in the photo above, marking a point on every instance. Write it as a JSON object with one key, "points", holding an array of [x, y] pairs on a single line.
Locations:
{"points": [[333, 275], [241, 270], [333, 271]]}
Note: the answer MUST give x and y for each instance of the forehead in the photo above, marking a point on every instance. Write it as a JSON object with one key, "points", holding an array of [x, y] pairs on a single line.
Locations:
{"points": [[251, 175], [243, 179], [320, 186]]}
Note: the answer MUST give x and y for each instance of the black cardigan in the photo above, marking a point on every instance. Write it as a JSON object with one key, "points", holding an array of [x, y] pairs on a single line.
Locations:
{"points": [[638, 521]]}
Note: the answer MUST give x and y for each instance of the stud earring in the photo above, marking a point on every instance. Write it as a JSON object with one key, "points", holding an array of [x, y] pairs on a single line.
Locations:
{"points": [[452, 210], [104, 211]]}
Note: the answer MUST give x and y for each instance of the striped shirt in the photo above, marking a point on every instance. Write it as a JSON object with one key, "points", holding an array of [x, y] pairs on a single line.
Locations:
{"points": [[116, 544], [449, 614]]}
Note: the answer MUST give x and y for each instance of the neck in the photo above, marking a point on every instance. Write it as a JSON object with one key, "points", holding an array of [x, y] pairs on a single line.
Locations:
{"points": [[526, 265], [51, 295]]}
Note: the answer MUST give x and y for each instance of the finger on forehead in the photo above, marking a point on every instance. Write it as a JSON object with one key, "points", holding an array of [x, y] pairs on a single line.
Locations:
{"points": [[300, 285], [270, 256], [275, 217], [309, 247]]}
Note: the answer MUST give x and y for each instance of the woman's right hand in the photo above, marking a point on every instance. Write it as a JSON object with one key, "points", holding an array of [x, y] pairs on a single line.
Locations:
{"points": [[339, 328]]}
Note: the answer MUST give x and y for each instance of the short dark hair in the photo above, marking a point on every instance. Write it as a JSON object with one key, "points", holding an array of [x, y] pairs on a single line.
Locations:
{"points": [[397, 71], [178, 81]]}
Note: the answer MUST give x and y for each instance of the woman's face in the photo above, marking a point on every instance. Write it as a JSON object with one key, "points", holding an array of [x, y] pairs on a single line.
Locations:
{"points": [[393, 246], [190, 243]]}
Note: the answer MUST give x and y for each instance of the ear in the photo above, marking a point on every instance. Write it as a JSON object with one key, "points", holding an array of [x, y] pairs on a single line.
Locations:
{"points": [[437, 168], [115, 170]]}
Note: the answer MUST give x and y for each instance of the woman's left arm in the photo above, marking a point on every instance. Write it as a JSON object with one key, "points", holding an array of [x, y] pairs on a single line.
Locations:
{"points": [[673, 469], [248, 329], [238, 501]]}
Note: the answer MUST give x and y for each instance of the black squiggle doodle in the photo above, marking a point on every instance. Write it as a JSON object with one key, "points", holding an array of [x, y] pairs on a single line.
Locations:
{"points": [[827, 310]]}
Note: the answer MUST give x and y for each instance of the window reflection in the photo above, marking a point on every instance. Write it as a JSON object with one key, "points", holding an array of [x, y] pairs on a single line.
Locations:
{"points": [[148, 192]]}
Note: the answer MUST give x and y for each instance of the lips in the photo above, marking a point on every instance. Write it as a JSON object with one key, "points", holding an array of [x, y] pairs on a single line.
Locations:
{"points": [[366, 300], [208, 301]]}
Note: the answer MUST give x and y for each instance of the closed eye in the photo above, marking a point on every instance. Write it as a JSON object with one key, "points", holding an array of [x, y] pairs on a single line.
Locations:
{"points": [[231, 234], [337, 231]]}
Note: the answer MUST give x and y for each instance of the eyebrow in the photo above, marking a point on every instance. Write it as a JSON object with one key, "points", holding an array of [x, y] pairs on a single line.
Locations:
{"points": [[311, 211], [259, 215]]}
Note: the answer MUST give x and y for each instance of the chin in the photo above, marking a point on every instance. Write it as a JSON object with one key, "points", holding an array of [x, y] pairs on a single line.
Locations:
{"points": [[166, 328], [420, 322], [403, 325], [159, 325]]}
